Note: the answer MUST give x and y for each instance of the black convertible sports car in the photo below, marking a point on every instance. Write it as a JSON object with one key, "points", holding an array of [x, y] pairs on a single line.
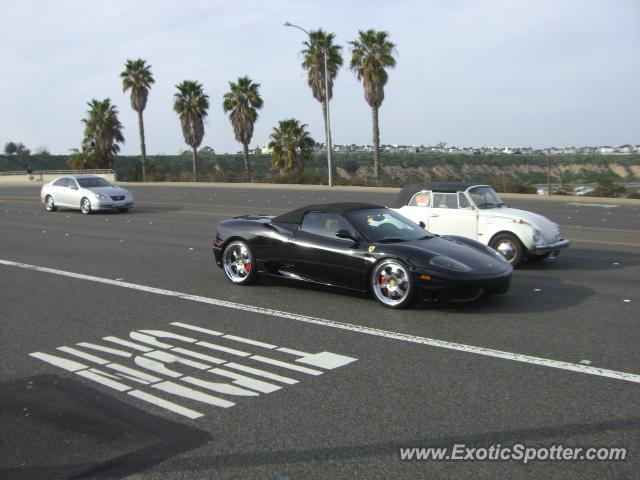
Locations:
{"points": [[360, 247]]}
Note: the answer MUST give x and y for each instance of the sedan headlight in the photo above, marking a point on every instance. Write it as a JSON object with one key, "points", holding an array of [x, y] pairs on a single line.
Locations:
{"points": [[99, 196], [447, 263]]}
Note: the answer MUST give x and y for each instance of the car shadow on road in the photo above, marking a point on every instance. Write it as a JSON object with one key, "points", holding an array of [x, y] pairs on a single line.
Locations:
{"points": [[528, 294], [584, 259]]}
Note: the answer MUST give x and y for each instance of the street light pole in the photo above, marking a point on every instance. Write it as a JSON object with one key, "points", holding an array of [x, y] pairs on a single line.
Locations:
{"points": [[326, 103]]}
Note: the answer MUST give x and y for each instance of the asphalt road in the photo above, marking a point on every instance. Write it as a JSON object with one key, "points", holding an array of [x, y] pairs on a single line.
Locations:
{"points": [[386, 385]]}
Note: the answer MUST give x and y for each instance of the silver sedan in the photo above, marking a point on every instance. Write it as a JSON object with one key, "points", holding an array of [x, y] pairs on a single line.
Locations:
{"points": [[85, 193]]}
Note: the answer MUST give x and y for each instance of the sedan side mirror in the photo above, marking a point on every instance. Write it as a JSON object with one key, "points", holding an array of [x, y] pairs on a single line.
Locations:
{"points": [[345, 234], [73, 187], [422, 224]]}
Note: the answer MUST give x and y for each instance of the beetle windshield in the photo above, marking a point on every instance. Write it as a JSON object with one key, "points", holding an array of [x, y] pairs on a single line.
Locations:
{"points": [[486, 197], [383, 225], [90, 182]]}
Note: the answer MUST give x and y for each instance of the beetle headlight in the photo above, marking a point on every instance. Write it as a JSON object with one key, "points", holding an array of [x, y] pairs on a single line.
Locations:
{"points": [[536, 235], [447, 263]]}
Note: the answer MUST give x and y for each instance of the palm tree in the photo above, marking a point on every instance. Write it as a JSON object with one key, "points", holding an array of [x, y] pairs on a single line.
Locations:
{"points": [[242, 102], [102, 132], [191, 105], [313, 62], [137, 78], [371, 53], [291, 145]]}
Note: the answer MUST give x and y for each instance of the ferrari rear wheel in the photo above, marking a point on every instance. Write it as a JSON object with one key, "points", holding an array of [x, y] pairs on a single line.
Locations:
{"points": [[238, 262], [392, 284]]}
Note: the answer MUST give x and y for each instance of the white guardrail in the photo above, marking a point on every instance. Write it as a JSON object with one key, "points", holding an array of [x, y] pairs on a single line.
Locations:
{"points": [[41, 176]]}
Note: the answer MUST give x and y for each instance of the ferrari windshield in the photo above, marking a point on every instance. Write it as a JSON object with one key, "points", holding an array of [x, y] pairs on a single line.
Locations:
{"points": [[91, 182], [486, 197], [383, 225]]}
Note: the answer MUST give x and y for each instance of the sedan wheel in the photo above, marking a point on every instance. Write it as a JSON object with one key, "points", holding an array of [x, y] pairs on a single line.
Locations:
{"points": [[85, 206], [49, 205], [239, 263], [392, 284], [509, 247]]}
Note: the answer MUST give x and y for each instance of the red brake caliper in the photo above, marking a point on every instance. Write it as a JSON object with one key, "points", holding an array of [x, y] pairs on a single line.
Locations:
{"points": [[247, 267], [383, 282]]}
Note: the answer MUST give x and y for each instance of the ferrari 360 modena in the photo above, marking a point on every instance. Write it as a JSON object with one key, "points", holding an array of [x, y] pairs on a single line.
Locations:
{"points": [[362, 247]]}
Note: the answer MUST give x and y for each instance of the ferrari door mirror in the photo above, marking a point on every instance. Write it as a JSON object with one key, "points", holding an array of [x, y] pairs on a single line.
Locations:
{"points": [[345, 234]]}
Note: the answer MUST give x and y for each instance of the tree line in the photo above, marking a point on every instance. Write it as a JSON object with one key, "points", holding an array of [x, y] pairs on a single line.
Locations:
{"points": [[372, 53]]}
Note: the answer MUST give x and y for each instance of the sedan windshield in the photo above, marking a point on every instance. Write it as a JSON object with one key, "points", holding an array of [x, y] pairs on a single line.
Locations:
{"points": [[90, 182], [486, 197], [383, 225]]}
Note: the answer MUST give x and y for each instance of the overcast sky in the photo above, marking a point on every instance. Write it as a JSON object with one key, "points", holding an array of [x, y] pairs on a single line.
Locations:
{"points": [[470, 73]]}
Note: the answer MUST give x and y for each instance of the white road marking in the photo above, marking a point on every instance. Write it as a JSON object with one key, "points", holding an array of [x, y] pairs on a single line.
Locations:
{"points": [[149, 340], [220, 348], [191, 394], [297, 353], [196, 328], [103, 380], [68, 365], [245, 381], [602, 205], [201, 356], [488, 352], [219, 387], [290, 366], [160, 402], [144, 377], [126, 343], [326, 360], [83, 355], [249, 341], [100, 348], [261, 373], [170, 358]]}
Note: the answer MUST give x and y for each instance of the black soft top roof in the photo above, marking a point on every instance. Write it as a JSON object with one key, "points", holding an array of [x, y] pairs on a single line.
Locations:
{"points": [[404, 196], [295, 216]]}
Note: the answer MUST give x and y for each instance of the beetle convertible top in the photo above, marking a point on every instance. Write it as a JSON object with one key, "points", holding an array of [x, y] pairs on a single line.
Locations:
{"points": [[295, 216], [404, 196]]}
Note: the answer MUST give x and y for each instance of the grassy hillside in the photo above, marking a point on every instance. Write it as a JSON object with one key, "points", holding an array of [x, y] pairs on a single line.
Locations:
{"points": [[357, 170]]}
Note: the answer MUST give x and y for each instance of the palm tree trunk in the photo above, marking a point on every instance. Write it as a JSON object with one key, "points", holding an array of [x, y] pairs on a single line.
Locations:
{"points": [[143, 148], [376, 143], [245, 156], [195, 160]]}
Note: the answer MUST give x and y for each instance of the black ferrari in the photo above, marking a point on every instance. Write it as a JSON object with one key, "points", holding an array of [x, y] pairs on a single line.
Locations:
{"points": [[362, 247]]}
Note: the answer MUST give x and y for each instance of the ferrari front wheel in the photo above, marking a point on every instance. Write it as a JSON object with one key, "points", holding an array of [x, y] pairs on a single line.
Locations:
{"points": [[238, 263], [392, 284]]}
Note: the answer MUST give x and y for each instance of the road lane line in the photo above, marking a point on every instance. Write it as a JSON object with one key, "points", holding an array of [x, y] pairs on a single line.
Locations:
{"points": [[100, 348], [516, 357], [261, 373]]}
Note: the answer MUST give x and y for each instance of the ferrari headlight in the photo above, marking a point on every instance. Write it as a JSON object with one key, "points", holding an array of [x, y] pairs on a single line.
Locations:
{"points": [[99, 196], [447, 263]]}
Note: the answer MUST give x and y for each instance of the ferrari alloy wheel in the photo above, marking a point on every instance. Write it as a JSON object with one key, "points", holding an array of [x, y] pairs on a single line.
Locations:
{"points": [[392, 284], [85, 206], [509, 247], [239, 263], [49, 205]]}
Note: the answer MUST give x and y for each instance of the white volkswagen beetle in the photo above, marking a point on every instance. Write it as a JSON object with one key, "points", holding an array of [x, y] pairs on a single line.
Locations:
{"points": [[85, 193], [477, 212]]}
